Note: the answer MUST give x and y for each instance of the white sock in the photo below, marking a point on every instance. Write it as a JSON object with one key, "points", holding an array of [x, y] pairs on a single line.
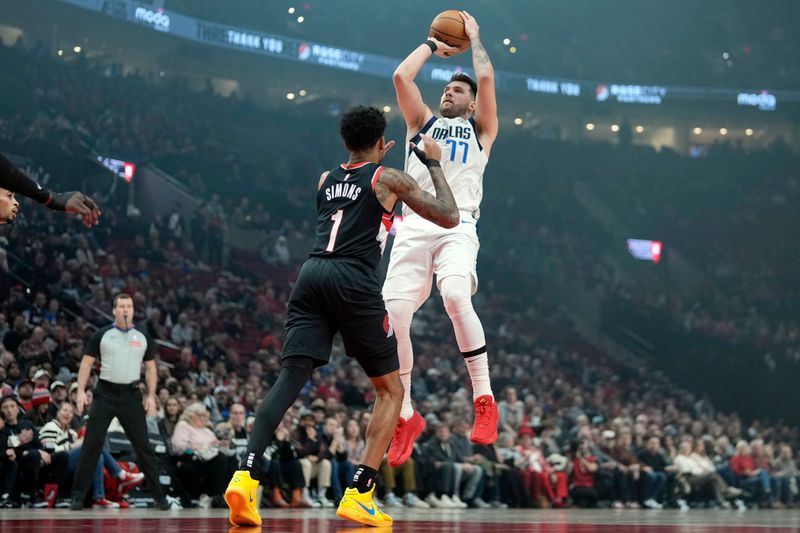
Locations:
{"points": [[407, 410], [401, 312], [478, 367]]}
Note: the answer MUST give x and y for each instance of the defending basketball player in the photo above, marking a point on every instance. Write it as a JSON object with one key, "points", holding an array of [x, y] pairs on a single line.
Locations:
{"points": [[8, 206], [338, 290], [13, 180], [466, 128]]}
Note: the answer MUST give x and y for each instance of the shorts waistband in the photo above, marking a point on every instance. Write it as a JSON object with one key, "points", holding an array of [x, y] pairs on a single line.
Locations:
{"points": [[118, 387]]}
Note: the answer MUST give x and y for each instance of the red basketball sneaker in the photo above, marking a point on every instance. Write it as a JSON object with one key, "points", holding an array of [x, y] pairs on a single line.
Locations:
{"points": [[405, 434], [484, 430]]}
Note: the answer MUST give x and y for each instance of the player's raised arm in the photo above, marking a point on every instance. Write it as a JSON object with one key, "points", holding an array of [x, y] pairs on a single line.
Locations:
{"points": [[486, 112], [414, 110], [396, 185], [13, 179]]}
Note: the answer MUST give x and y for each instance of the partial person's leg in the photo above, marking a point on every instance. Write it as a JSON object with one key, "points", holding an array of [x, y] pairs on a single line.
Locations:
{"points": [[457, 297], [100, 415], [401, 313], [389, 395], [132, 418]]}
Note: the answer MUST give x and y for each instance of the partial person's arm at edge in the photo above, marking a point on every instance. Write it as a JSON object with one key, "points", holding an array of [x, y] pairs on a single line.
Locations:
{"points": [[84, 372], [13, 179]]}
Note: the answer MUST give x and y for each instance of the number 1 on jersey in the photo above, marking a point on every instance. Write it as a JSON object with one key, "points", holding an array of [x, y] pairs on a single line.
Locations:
{"points": [[337, 221]]}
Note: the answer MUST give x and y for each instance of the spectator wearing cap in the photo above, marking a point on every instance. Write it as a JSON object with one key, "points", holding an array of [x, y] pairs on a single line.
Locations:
{"points": [[58, 395], [311, 454], [545, 485], [41, 379], [23, 438], [25, 393], [223, 400], [208, 400], [39, 413]]}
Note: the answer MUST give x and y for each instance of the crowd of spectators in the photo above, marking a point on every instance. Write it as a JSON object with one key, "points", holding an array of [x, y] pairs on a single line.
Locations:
{"points": [[606, 43], [577, 427]]}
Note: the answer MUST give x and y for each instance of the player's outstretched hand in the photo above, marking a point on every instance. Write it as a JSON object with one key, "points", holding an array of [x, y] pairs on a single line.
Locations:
{"points": [[444, 50], [77, 202], [471, 27], [432, 149]]}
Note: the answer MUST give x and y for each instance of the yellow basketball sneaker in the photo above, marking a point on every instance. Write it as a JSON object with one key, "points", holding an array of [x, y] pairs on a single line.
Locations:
{"points": [[241, 499], [360, 508]]}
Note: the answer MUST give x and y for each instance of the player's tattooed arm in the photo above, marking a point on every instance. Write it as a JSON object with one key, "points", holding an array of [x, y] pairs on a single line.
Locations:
{"points": [[440, 209]]}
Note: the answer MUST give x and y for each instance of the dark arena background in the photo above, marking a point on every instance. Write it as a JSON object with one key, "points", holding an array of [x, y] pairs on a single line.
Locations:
{"points": [[638, 265]]}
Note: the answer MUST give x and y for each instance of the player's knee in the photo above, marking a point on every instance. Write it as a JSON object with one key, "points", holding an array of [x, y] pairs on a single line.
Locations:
{"points": [[456, 295], [400, 314], [390, 388], [299, 366]]}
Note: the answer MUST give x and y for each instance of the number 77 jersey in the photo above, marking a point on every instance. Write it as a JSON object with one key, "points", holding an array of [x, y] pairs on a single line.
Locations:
{"points": [[349, 216], [463, 163]]}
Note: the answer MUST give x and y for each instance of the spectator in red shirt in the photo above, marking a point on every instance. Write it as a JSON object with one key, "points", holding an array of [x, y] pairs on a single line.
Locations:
{"points": [[749, 476], [583, 466]]}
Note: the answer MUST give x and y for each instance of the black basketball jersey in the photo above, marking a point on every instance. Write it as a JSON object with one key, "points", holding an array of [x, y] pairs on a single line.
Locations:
{"points": [[349, 216]]}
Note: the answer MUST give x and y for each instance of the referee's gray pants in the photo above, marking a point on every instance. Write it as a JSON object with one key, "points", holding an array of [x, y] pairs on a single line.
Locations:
{"points": [[124, 402]]}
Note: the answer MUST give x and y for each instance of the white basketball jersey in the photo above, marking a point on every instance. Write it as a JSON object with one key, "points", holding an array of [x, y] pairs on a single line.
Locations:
{"points": [[463, 162]]}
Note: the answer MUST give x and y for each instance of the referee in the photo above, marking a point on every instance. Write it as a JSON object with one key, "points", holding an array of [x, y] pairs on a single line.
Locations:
{"points": [[121, 349]]}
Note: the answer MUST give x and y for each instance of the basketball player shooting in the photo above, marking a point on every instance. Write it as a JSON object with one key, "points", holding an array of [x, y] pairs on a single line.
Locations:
{"points": [[466, 128]]}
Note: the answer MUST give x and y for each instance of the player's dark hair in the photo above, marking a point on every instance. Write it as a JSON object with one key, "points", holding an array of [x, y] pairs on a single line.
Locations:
{"points": [[460, 76], [361, 127]]}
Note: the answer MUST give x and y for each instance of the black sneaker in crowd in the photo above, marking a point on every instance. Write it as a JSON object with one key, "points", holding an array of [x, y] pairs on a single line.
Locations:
{"points": [[62, 503], [161, 503], [6, 502], [76, 504]]}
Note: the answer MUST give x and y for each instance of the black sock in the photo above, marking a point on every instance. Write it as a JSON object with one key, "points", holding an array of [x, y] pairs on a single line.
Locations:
{"points": [[364, 479], [295, 372]]}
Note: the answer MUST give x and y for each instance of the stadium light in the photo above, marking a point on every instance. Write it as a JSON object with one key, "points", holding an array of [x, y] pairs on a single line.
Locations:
{"points": [[639, 129], [749, 132], [513, 50], [506, 41], [77, 49], [291, 11], [302, 92], [300, 19], [290, 96], [723, 131], [387, 109], [518, 121], [615, 128], [697, 131], [590, 126], [60, 53]]}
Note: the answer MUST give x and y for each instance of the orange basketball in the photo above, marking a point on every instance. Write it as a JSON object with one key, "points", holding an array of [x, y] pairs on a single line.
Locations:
{"points": [[448, 27]]}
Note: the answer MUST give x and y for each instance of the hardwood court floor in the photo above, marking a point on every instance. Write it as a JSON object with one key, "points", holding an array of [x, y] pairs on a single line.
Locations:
{"points": [[406, 521]]}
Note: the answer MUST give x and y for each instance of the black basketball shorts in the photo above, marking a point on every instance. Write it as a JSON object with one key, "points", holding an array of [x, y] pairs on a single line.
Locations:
{"points": [[340, 295]]}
